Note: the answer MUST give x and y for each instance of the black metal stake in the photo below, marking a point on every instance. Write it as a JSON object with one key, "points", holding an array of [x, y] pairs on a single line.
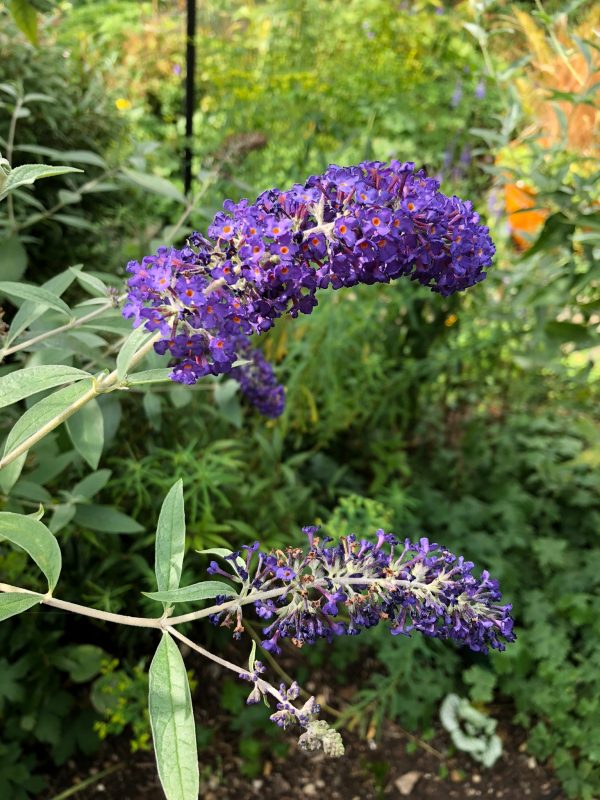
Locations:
{"points": [[190, 71]]}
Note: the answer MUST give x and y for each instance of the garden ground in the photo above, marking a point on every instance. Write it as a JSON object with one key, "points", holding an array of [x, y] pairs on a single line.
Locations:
{"points": [[396, 765], [369, 773]]}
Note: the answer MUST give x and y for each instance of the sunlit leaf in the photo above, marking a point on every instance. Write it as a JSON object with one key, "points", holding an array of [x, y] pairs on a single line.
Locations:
{"points": [[24, 382], [86, 429], [39, 415], [24, 291], [190, 594], [170, 540], [172, 722], [29, 173], [35, 538], [12, 603]]}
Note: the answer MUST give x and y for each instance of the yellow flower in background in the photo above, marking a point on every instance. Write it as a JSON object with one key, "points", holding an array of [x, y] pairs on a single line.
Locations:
{"points": [[450, 320], [123, 104]]}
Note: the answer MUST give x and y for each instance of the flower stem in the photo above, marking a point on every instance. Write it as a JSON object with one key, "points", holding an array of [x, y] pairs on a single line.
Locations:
{"points": [[100, 386], [74, 323], [282, 673], [264, 685], [85, 611], [238, 601], [141, 622]]}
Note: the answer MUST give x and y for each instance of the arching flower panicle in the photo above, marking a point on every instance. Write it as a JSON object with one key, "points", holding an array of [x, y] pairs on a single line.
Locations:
{"points": [[370, 223], [330, 590]]}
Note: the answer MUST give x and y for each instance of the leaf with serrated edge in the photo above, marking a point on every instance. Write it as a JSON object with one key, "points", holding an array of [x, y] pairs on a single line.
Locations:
{"points": [[35, 538], [170, 540], [189, 594], [24, 382], [172, 722]]}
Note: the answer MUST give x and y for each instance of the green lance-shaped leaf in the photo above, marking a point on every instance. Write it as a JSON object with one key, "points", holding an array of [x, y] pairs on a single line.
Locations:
{"points": [[13, 257], [86, 429], [35, 418], [149, 376], [24, 382], [172, 722], [91, 283], [24, 291], [10, 475], [156, 184], [189, 594], [105, 519], [28, 173], [13, 603], [170, 540], [132, 344], [35, 538], [25, 17], [91, 484], [30, 310]]}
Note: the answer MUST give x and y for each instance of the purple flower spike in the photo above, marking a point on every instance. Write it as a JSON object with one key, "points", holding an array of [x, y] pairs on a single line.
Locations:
{"points": [[370, 223], [339, 589]]}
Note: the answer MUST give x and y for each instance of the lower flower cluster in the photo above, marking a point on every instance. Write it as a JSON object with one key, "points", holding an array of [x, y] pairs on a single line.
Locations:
{"points": [[317, 733], [328, 590]]}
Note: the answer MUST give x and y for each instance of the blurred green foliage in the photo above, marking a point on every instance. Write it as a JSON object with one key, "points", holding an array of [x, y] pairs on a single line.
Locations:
{"points": [[472, 420]]}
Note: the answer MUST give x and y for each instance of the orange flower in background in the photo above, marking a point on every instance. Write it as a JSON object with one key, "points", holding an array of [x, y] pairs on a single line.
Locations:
{"points": [[524, 225], [564, 69]]}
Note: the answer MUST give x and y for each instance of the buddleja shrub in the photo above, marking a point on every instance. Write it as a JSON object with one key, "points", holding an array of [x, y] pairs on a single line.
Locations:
{"points": [[201, 305]]}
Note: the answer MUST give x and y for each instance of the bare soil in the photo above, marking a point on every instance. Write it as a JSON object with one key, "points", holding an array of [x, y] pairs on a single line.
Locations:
{"points": [[368, 771]]}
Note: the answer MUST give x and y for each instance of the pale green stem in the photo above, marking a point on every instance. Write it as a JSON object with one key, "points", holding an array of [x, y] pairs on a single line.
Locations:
{"points": [[142, 622], [283, 674], [85, 611], [74, 323], [238, 601], [85, 784], [262, 684], [9, 153], [324, 227], [162, 623], [100, 386], [49, 212]]}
